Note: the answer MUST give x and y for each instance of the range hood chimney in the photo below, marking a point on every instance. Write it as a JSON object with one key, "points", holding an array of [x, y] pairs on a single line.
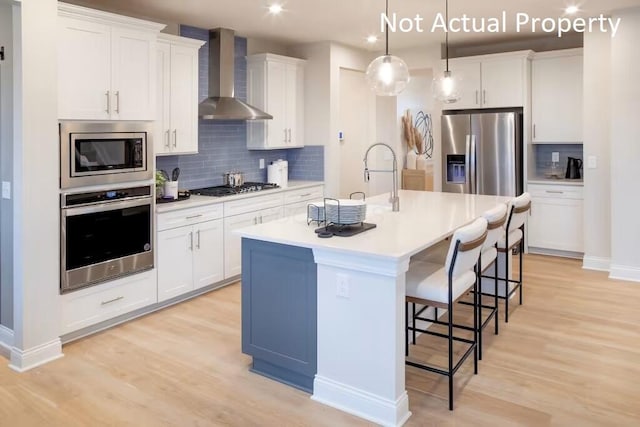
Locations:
{"points": [[221, 104]]}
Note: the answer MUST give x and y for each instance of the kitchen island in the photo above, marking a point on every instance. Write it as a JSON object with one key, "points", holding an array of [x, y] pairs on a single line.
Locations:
{"points": [[327, 315]]}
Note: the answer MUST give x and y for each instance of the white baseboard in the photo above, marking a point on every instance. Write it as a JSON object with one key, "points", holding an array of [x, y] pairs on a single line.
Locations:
{"points": [[365, 405], [6, 341], [624, 272], [596, 263], [23, 360]]}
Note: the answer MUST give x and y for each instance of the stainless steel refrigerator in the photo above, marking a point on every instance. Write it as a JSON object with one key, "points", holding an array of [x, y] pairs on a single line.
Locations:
{"points": [[482, 153]]}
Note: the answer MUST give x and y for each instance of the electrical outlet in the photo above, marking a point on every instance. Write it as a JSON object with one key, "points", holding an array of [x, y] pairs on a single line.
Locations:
{"points": [[6, 190], [555, 156], [342, 285], [592, 162], [261, 163]]}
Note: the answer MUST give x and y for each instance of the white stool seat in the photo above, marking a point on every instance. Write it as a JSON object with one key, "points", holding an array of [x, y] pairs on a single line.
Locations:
{"points": [[514, 237], [429, 281], [487, 257]]}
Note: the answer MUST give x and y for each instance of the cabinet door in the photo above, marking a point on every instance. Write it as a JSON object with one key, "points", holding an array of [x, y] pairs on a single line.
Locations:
{"points": [[208, 261], [277, 135], [175, 262], [271, 214], [133, 74], [469, 72], [162, 143], [232, 241], [84, 73], [556, 223], [184, 100], [503, 83], [556, 99], [291, 104]]}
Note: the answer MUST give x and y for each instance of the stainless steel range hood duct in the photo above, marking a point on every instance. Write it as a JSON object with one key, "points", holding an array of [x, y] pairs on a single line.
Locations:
{"points": [[221, 104]]}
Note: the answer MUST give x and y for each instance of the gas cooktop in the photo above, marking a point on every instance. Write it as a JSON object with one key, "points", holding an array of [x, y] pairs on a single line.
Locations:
{"points": [[226, 190]]}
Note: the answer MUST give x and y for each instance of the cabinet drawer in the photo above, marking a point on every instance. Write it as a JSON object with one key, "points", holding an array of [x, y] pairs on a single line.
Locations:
{"points": [[253, 204], [102, 302], [304, 194], [556, 191], [180, 218]]}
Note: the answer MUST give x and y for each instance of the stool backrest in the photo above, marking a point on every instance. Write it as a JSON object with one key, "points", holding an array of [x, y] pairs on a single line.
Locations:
{"points": [[517, 211], [496, 219], [465, 247]]}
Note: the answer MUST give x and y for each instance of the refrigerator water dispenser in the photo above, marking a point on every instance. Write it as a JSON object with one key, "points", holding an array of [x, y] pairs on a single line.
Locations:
{"points": [[456, 169]]}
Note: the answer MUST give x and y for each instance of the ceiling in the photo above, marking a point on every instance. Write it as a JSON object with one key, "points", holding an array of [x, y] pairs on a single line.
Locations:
{"points": [[346, 21]]}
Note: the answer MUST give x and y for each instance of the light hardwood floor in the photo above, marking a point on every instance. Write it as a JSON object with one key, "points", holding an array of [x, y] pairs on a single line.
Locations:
{"points": [[570, 356]]}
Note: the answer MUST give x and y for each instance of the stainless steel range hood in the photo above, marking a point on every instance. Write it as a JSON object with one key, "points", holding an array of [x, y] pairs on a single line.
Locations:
{"points": [[221, 104]]}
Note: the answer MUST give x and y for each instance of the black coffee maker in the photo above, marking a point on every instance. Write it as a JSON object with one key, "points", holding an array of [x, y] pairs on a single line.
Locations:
{"points": [[573, 168]]}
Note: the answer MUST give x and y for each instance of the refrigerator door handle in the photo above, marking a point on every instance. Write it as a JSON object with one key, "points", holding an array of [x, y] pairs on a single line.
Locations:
{"points": [[473, 163], [467, 165]]}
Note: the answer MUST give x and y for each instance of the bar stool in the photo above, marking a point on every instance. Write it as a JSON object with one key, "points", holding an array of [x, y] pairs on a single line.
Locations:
{"points": [[513, 233], [440, 286]]}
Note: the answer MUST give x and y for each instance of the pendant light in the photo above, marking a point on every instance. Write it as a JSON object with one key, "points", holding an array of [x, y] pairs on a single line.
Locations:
{"points": [[387, 75], [446, 88]]}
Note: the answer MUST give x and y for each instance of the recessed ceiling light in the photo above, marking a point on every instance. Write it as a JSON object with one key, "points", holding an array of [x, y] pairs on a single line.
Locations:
{"points": [[275, 9], [570, 10], [372, 39]]}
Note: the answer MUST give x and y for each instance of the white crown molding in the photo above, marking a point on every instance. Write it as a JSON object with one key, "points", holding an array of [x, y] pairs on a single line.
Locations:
{"points": [[99, 16], [178, 40]]}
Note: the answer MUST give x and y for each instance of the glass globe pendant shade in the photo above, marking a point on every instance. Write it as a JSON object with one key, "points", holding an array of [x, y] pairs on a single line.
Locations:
{"points": [[387, 75], [446, 88]]}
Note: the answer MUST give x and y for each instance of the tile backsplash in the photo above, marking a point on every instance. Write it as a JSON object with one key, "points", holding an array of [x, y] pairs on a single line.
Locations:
{"points": [[543, 156], [222, 145]]}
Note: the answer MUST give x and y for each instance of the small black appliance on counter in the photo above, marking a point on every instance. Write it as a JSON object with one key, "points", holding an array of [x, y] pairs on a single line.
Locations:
{"points": [[573, 168]]}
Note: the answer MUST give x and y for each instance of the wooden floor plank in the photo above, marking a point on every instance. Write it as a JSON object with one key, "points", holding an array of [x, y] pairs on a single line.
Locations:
{"points": [[569, 356]]}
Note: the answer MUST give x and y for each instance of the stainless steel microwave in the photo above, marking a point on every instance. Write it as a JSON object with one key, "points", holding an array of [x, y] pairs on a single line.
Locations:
{"points": [[98, 153]]}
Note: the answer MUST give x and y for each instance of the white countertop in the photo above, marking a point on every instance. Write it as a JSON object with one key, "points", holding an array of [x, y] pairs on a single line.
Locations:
{"points": [[552, 181], [425, 218], [195, 201]]}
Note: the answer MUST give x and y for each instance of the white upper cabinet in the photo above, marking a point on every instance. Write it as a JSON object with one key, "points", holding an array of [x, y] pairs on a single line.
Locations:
{"points": [[491, 81], [275, 85], [106, 65], [556, 97], [177, 95]]}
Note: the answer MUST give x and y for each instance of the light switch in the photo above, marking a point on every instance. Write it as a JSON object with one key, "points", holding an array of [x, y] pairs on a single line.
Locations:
{"points": [[592, 162], [6, 190], [555, 156], [261, 163], [342, 285]]}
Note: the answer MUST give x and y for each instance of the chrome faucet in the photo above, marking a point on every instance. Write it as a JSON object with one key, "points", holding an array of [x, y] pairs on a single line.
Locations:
{"points": [[394, 199]]}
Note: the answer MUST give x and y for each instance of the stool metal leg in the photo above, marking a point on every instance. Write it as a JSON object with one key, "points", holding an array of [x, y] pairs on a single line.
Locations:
{"points": [[450, 312], [477, 353], [495, 290], [406, 328], [506, 279], [413, 305], [520, 266]]}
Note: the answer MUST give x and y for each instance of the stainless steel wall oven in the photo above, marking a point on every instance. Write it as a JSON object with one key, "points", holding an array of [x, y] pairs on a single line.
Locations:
{"points": [[96, 153], [105, 234]]}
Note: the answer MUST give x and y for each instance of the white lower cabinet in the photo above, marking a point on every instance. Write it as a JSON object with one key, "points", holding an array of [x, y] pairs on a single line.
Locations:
{"points": [[556, 220], [190, 250], [233, 242], [101, 302]]}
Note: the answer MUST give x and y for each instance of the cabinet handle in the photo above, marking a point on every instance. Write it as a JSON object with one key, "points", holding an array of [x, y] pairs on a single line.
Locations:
{"points": [[108, 110], [255, 220], [476, 97], [555, 192], [191, 239], [289, 135], [285, 135], [194, 216], [534, 131], [260, 219], [118, 101], [484, 96], [111, 300], [305, 195], [175, 138], [198, 240], [168, 144]]}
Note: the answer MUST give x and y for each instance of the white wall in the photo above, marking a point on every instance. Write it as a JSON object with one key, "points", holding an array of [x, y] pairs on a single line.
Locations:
{"points": [[625, 147], [596, 131], [35, 177], [6, 167]]}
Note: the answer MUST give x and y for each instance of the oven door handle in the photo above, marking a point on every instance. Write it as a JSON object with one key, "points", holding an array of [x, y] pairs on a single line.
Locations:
{"points": [[107, 206]]}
